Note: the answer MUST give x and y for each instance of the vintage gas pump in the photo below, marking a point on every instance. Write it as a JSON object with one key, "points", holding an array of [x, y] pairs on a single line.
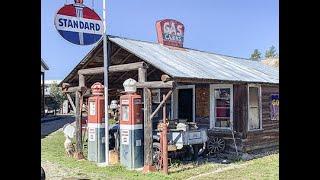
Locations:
{"points": [[131, 127], [96, 133]]}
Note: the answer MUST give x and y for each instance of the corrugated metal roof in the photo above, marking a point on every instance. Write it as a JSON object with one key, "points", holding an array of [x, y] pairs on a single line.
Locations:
{"points": [[189, 63], [44, 65]]}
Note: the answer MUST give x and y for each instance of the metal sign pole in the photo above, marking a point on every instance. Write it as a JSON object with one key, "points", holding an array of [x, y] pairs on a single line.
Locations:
{"points": [[105, 65]]}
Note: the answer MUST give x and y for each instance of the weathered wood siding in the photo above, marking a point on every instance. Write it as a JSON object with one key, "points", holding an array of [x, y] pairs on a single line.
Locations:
{"points": [[240, 108], [202, 101], [269, 135]]}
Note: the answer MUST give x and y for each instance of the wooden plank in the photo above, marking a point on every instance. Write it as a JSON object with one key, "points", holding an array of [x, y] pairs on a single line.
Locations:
{"points": [[147, 127], [71, 102], [114, 68], [161, 104], [155, 84], [115, 53], [126, 58]]}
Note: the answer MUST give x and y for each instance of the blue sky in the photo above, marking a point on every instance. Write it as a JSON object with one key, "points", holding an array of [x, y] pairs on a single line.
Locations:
{"points": [[227, 27]]}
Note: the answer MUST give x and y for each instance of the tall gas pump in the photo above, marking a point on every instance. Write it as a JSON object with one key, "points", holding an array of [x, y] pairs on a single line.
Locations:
{"points": [[96, 120], [131, 127]]}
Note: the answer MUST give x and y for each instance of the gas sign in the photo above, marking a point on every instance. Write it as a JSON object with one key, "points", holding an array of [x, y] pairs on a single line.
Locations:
{"points": [[78, 24], [170, 32]]}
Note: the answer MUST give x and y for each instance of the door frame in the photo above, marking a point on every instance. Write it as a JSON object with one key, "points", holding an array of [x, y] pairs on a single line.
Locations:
{"points": [[175, 100], [212, 104]]}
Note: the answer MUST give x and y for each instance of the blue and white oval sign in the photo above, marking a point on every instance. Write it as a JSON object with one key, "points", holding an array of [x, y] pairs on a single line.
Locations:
{"points": [[79, 24]]}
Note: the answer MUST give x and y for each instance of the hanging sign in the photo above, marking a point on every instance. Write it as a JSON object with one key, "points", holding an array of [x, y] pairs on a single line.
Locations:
{"points": [[79, 24], [170, 32], [275, 107]]}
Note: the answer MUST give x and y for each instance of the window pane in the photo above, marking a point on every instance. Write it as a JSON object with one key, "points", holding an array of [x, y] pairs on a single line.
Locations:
{"points": [[125, 113], [222, 93], [253, 96], [222, 102], [254, 122], [222, 107], [222, 122], [222, 112]]}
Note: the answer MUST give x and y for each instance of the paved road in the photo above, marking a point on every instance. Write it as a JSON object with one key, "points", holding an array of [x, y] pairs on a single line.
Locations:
{"points": [[51, 126]]}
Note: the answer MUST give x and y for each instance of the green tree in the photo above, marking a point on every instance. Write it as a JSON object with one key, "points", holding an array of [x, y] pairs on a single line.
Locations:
{"points": [[58, 96], [256, 55], [271, 52]]}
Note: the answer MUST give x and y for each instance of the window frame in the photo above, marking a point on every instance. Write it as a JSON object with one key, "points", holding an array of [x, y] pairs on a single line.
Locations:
{"points": [[260, 107], [212, 105], [175, 101]]}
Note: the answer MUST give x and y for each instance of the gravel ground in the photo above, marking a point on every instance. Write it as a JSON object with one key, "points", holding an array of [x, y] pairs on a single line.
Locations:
{"points": [[52, 126], [55, 172]]}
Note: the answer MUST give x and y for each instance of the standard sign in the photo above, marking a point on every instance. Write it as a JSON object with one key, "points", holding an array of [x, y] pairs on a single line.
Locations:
{"points": [[170, 32], [79, 24]]}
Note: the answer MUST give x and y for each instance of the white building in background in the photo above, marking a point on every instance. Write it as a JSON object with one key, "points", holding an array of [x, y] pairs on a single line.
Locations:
{"points": [[44, 67]]}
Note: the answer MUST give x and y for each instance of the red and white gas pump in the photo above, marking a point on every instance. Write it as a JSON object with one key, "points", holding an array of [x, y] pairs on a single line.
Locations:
{"points": [[131, 127], [96, 126]]}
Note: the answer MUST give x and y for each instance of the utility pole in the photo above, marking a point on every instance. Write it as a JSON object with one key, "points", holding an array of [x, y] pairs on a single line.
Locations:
{"points": [[106, 87]]}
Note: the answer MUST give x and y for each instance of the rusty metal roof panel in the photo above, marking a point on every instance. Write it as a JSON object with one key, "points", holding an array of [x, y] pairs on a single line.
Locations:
{"points": [[189, 63]]}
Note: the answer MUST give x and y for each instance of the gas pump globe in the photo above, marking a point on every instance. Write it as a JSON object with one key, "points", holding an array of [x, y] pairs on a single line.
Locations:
{"points": [[130, 86], [131, 127]]}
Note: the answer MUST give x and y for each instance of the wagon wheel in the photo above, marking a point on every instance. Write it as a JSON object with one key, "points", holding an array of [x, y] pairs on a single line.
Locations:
{"points": [[215, 145], [156, 155]]}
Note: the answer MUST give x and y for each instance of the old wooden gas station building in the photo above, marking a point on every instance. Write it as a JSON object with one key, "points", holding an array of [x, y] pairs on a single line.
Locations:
{"points": [[217, 92]]}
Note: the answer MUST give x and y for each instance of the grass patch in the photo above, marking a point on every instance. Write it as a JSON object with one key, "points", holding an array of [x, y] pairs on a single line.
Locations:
{"points": [[261, 168], [52, 150]]}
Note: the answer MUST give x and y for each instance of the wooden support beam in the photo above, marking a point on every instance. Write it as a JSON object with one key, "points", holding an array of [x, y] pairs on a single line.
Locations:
{"points": [[74, 89], [148, 73], [161, 104], [71, 102], [147, 128], [142, 74], [165, 78], [78, 153], [114, 68], [155, 84], [65, 85], [82, 80]]}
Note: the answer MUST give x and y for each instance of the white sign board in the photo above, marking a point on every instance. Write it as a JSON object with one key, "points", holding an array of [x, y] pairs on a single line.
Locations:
{"points": [[91, 134], [92, 108], [124, 137]]}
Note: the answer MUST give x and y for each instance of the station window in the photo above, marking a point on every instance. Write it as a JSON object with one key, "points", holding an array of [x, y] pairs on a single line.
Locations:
{"points": [[221, 102], [254, 107]]}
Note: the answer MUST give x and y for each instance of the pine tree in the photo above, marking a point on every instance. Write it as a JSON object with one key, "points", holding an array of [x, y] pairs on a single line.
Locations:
{"points": [[256, 55], [271, 52]]}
